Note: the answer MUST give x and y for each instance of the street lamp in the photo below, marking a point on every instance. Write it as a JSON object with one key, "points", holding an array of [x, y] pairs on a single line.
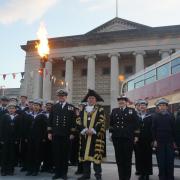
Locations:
{"points": [[3, 89], [43, 51]]}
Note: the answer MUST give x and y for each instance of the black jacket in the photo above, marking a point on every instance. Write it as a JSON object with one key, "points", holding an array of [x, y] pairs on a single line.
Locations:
{"points": [[124, 124], [10, 129], [163, 127], [145, 127], [62, 120], [38, 128]]}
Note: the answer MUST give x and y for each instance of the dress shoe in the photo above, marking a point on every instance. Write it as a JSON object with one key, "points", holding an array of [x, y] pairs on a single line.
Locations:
{"points": [[84, 177], [35, 173], [56, 176], [78, 172], [137, 173], [64, 177], [147, 177], [29, 173], [3, 174], [142, 177], [23, 169], [11, 173], [98, 178]]}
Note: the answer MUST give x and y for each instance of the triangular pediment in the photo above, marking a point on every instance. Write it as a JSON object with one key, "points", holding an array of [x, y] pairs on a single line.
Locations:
{"points": [[118, 24]]}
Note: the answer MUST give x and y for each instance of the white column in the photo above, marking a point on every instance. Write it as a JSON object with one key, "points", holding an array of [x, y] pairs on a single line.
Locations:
{"points": [[139, 64], [69, 77], [47, 84], [91, 71], [164, 53], [114, 79], [37, 85]]}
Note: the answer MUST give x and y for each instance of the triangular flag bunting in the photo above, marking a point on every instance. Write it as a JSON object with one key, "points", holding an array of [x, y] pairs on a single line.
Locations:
{"points": [[14, 75], [4, 76]]}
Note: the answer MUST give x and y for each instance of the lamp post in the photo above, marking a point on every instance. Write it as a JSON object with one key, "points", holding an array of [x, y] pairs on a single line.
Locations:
{"points": [[43, 51], [2, 89]]}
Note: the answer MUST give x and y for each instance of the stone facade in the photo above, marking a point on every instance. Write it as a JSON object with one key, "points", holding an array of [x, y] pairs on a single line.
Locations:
{"points": [[95, 60]]}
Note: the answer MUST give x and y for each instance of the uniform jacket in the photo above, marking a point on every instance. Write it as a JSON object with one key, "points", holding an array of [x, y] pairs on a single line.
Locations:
{"points": [[145, 127], [163, 127], [38, 128], [62, 120], [124, 123], [10, 129]]}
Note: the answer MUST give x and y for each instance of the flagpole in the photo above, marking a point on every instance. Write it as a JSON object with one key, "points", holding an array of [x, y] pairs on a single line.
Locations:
{"points": [[116, 8]]}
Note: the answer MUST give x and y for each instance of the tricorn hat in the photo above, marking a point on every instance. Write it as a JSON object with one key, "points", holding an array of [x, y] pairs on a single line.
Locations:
{"points": [[61, 92], [122, 98], [92, 93]]}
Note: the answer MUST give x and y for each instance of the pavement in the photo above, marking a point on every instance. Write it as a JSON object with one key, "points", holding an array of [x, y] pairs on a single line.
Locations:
{"points": [[109, 173], [109, 169]]}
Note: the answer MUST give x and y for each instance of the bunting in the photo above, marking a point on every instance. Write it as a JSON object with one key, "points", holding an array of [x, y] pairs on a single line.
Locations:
{"points": [[46, 73], [4, 76]]}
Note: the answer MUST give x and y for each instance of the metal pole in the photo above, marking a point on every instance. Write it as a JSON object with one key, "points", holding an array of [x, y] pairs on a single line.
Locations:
{"points": [[116, 8]]}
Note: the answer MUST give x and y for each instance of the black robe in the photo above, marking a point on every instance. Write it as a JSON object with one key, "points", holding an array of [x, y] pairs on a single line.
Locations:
{"points": [[92, 148]]}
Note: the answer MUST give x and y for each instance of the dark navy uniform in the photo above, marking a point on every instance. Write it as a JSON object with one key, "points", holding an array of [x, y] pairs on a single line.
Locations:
{"points": [[9, 138], [47, 158], [123, 126], [36, 139], [61, 126], [144, 145], [164, 135]]}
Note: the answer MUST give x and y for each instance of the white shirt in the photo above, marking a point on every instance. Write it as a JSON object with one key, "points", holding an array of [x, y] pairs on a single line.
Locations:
{"points": [[89, 108], [63, 104]]}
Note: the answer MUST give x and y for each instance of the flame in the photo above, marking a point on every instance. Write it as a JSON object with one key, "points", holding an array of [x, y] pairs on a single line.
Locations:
{"points": [[42, 46]]}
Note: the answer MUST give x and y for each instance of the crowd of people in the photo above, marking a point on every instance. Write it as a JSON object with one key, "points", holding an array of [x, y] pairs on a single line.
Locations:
{"points": [[48, 137]]}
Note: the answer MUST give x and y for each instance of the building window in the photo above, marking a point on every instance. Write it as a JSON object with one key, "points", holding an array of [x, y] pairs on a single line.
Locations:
{"points": [[128, 69], [175, 66], [63, 73], [106, 71], [130, 85], [139, 81], [163, 71], [150, 77], [84, 72]]}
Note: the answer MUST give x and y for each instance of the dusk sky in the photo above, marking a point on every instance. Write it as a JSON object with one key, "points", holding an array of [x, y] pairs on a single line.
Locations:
{"points": [[20, 20]]}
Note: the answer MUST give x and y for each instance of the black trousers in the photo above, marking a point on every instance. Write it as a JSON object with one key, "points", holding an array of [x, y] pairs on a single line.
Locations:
{"points": [[123, 152], [144, 156], [8, 156], [47, 156], [165, 159], [35, 148], [136, 155], [87, 169], [61, 152], [24, 153], [74, 150]]}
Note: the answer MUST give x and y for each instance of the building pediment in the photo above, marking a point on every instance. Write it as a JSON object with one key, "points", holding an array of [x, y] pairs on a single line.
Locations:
{"points": [[118, 24]]}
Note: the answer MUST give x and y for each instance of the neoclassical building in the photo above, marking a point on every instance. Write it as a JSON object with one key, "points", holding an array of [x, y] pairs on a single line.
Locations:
{"points": [[96, 59]]}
